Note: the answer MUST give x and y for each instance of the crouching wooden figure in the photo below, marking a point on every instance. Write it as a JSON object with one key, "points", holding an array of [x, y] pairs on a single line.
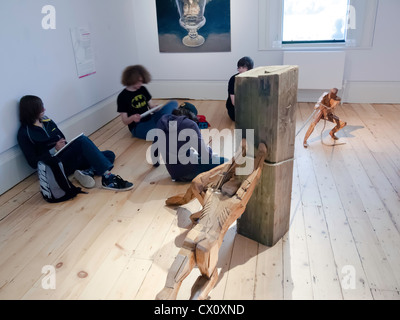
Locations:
{"points": [[223, 198], [326, 110]]}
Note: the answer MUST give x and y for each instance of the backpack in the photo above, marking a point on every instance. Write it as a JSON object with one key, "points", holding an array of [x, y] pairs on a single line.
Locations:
{"points": [[203, 124], [54, 184]]}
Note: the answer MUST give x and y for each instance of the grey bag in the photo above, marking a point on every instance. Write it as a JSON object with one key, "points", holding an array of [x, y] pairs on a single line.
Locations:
{"points": [[54, 184]]}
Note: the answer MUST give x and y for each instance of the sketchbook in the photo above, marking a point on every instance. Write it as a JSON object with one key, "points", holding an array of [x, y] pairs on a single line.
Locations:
{"points": [[155, 109], [66, 146]]}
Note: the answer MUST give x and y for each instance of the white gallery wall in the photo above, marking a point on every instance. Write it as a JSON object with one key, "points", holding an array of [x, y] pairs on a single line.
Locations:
{"points": [[123, 32], [41, 62], [372, 74]]}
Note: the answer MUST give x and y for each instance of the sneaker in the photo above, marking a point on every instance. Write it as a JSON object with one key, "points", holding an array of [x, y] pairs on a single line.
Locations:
{"points": [[116, 183], [85, 178]]}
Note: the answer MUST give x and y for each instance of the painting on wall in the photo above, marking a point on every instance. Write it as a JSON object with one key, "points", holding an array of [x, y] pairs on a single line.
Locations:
{"points": [[194, 25]]}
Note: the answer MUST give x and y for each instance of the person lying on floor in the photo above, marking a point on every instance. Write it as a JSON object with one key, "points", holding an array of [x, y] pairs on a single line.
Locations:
{"points": [[180, 143], [39, 138]]}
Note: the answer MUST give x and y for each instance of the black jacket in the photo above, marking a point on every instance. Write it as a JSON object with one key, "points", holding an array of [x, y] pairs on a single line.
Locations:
{"points": [[36, 142]]}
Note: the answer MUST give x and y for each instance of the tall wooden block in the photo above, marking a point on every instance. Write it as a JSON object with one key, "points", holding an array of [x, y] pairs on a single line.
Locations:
{"points": [[266, 100]]}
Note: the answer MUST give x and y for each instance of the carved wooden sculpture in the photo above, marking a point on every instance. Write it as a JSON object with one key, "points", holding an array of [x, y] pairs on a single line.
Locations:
{"points": [[326, 110], [224, 200]]}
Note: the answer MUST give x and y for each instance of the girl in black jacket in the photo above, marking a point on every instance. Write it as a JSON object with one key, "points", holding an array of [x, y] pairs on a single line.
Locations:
{"points": [[39, 138]]}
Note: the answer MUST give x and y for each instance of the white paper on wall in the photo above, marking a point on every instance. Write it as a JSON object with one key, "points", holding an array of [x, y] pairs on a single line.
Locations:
{"points": [[83, 50]]}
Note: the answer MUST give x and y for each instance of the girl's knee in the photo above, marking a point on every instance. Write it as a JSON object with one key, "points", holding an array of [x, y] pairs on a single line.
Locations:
{"points": [[170, 106], [83, 139], [80, 142]]}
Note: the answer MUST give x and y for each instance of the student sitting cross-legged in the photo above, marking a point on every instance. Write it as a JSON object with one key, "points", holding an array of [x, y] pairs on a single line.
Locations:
{"points": [[135, 100], [39, 137]]}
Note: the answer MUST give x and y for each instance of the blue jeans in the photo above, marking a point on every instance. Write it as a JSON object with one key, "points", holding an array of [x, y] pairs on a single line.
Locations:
{"points": [[142, 128], [83, 154]]}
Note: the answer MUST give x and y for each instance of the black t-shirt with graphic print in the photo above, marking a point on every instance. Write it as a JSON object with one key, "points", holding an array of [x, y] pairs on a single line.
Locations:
{"points": [[134, 102]]}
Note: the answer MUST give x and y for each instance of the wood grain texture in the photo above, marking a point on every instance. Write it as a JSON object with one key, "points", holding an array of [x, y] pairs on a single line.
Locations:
{"points": [[344, 212]]}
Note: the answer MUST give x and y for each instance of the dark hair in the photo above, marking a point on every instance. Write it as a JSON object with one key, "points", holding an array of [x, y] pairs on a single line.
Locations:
{"points": [[246, 62], [30, 107], [133, 74], [186, 113]]}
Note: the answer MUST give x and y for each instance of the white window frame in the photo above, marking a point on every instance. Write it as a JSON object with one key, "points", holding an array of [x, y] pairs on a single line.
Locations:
{"points": [[360, 33]]}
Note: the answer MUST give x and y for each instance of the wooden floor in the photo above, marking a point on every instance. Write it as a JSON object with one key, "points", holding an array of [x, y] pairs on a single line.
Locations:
{"points": [[343, 243]]}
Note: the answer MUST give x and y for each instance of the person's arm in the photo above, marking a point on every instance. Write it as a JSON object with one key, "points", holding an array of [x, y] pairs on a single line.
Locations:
{"points": [[58, 140], [152, 104], [231, 89], [128, 120], [122, 108], [232, 99], [60, 144], [29, 149]]}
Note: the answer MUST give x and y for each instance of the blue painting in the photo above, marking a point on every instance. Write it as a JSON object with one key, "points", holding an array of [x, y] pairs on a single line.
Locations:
{"points": [[194, 25]]}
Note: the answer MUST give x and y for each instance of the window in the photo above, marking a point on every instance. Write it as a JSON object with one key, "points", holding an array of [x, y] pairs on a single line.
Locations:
{"points": [[315, 21], [321, 24]]}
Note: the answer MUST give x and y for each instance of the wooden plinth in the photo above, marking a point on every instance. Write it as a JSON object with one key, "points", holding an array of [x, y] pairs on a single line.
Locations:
{"points": [[266, 100]]}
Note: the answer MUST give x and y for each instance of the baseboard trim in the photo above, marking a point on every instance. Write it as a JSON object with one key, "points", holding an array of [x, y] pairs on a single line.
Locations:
{"points": [[360, 92], [372, 92], [352, 92]]}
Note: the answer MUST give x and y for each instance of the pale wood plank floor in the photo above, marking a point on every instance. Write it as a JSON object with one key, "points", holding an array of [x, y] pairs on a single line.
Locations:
{"points": [[343, 243]]}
